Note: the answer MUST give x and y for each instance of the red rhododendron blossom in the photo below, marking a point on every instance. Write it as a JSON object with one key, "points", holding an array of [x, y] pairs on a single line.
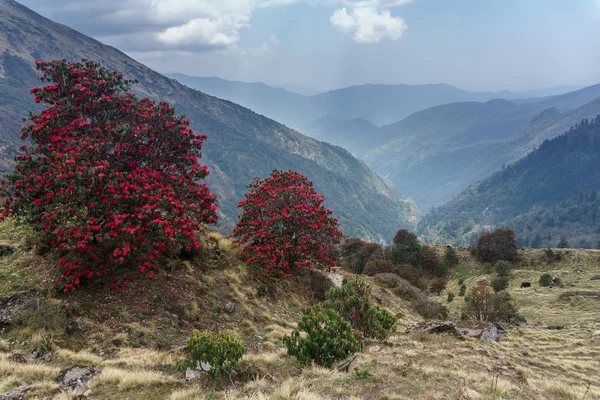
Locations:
{"points": [[284, 226], [111, 182]]}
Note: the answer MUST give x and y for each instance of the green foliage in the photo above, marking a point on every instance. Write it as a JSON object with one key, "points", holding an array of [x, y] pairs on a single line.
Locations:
{"points": [[430, 309], [450, 258], [356, 253], [222, 351], [450, 297], [503, 268], [483, 305], [437, 286], [497, 245], [462, 290], [363, 372], [552, 255], [545, 280], [500, 283], [353, 302], [374, 267], [327, 338], [461, 281], [406, 248]]}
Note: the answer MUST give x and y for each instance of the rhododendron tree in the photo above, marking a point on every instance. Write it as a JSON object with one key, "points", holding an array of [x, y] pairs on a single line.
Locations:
{"points": [[284, 226], [497, 245], [110, 181]]}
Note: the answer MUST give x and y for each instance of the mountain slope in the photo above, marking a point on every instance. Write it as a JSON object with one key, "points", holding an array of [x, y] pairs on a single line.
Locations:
{"points": [[551, 193], [240, 145]]}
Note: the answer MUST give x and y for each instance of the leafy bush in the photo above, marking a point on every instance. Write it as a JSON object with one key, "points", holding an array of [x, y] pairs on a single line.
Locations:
{"points": [[503, 268], [353, 301], [437, 286], [430, 262], [500, 283], [356, 253], [327, 338], [222, 351], [450, 258], [110, 182], [285, 226], [450, 297], [551, 255], [497, 245], [430, 309], [461, 281], [481, 304], [374, 267], [406, 248], [545, 280], [462, 290]]}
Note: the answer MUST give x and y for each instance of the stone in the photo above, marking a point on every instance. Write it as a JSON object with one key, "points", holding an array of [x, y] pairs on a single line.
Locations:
{"points": [[76, 379], [491, 334], [373, 349], [12, 308], [204, 366], [483, 282], [596, 334], [580, 271], [468, 394], [525, 352], [336, 279], [434, 327], [470, 332], [191, 374], [351, 365], [18, 358], [15, 394], [230, 307], [6, 250], [595, 278]]}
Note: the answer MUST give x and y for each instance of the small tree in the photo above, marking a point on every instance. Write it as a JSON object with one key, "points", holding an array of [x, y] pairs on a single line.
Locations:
{"points": [[221, 351], [497, 245], [437, 286], [500, 283], [503, 268], [430, 262], [374, 267], [110, 182], [483, 305], [285, 226], [406, 248], [450, 258], [545, 280]]}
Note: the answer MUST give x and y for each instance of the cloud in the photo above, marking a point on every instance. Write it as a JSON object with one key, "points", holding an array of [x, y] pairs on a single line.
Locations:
{"points": [[368, 25]]}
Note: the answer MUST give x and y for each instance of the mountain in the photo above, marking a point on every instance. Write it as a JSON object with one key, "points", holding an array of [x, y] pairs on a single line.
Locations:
{"points": [[241, 144], [434, 154], [550, 194], [300, 89], [379, 104]]}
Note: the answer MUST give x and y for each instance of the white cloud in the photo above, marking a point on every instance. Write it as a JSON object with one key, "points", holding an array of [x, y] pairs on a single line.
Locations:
{"points": [[368, 25]]}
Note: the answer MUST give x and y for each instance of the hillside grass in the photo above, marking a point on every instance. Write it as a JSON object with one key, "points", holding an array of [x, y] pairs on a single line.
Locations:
{"points": [[132, 338]]}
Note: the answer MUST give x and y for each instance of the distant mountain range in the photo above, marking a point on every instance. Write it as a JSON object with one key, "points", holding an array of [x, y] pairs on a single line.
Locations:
{"points": [[241, 144], [550, 194], [380, 104], [434, 154]]}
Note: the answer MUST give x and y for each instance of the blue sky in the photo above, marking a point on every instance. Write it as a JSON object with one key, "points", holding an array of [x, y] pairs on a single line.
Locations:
{"points": [[473, 44]]}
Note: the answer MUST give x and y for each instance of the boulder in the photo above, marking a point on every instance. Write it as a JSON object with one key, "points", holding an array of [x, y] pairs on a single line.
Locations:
{"points": [[491, 334], [470, 332], [76, 379], [15, 394], [14, 307], [230, 307], [595, 278], [336, 279], [596, 334], [434, 327], [191, 374], [468, 394]]}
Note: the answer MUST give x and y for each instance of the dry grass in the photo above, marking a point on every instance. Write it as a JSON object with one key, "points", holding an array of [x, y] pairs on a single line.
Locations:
{"points": [[130, 379]]}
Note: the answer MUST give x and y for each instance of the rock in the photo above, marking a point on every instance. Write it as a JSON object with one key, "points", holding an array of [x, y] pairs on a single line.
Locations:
{"points": [[15, 394], [526, 352], [230, 307], [434, 327], [373, 349], [468, 394], [596, 334], [76, 379], [580, 271], [35, 354], [320, 283], [470, 332], [18, 358], [336, 279], [491, 334], [6, 250], [191, 374], [351, 365], [595, 278], [204, 366], [483, 282], [16, 306]]}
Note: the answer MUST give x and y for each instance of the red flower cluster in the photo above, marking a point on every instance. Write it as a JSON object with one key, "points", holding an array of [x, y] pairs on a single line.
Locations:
{"points": [[285, 226], [110, 181]]}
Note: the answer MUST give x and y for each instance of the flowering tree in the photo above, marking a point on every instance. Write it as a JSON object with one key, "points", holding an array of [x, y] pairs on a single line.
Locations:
{"points": [[285, 226], [497, 245], [111, 182]]}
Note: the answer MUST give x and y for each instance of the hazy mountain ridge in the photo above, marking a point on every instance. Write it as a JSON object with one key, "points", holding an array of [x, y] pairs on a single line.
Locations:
{"points": [[550, 193], [240, 144]]}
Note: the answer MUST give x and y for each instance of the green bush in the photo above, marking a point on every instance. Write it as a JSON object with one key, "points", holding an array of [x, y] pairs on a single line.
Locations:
{"points": [[462, 290], [461, 281], [450, 258], [450, 297], [327, 338], [374, 267], [503, 268], [222, 351], [483, 305], [437, 286], [353, 302], [545, 280], [430, 309], [500, 283]]}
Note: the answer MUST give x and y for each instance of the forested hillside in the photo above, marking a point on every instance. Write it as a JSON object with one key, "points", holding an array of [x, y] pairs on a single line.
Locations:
{"points": [[550, 194]]}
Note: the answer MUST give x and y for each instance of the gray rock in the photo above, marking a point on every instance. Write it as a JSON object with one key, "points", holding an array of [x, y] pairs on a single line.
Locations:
{"points": [[525, 352], [351, 365], [14, 307], [596, 334], [470, 332], [336, 279], [595, 278], [230, 307], [468, 394], [15, 394], [76, 379], [435, 327], [191, 374], [491, 334]]}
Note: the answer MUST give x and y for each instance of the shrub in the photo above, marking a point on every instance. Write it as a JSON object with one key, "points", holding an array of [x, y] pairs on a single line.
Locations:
{"points": [[110, 182], [406, 248], [357, 253], [545, 280], [285, 226], [374, 267], [430, 309], [430, 262], [481, 304], [327, 338], [410, 273], [503, 268], [462, 290], [450, 297], [461, 281], [437, 286], [222, 351], [500, 283], [353, 301], [551, 255], [497, 245], [450, 258]]}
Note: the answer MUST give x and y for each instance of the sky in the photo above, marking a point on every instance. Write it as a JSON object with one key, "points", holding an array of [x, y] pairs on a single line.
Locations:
{"points": [[483, 45]]}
